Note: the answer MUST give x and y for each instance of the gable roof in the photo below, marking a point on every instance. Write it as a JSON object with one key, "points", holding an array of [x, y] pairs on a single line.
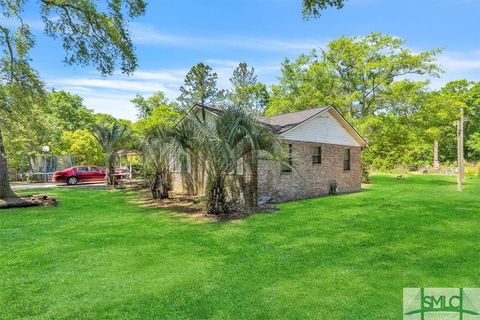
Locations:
{"points": [[284, 122], [287, 121]]}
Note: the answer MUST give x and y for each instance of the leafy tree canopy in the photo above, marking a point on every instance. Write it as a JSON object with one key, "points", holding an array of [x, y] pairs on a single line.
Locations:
{"points": [[200, 86], [83, 146], [92, 33], [313, 8], [69, 112], [354, 73], [156, 110], [247, 92]]}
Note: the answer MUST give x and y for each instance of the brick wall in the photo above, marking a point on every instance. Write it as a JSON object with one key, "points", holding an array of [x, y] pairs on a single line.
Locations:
{"points": [[312, 180]]}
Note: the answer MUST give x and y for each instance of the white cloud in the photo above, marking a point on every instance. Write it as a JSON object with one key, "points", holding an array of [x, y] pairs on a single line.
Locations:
{"points": [[112, 95], [457, 66], [116, 105], [146, 35], [456, 61]]}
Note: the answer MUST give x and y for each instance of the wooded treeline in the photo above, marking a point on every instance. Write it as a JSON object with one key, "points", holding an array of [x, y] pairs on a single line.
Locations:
{"points": [[384, 89], [380, 85]]}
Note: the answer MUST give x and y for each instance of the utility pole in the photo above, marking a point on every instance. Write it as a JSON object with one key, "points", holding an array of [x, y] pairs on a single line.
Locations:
{"points": [[460, 157]]}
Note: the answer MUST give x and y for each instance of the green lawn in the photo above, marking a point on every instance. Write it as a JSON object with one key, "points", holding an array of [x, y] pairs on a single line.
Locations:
{"points": [[99, 256]]}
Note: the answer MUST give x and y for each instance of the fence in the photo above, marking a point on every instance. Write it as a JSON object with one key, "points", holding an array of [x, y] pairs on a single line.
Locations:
{"points": [[40, 168]]}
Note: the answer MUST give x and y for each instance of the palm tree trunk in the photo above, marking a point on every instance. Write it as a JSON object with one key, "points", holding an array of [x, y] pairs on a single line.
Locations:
{"points": [[216, 197], [195, 176], [111, 180], [159, 186], [6, 193], [254, 180]]}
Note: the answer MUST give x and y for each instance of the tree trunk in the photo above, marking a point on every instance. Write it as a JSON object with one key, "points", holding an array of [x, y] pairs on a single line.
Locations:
{"points": [[159, 186], [216, 198], [6, 193], [436, 161], [195, 176], [111, 179], [201, 180], [460, 157]]}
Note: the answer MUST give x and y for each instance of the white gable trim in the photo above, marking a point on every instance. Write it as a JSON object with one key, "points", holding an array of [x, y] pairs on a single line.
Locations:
{"points": [[327, 126]]}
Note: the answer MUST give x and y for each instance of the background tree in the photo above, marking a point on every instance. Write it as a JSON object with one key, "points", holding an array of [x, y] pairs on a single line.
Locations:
{"points": [[304, 84], [358, 70], [463, 94], [146, 106], [472, 128], [473, 143], [370, 80], [156, 110], [436, 119], [366, 67], [68, 111], [82, 146], [200, 86], [393, 142], [90, 34], [395, 133], [247, 92], [25, 134], [104, 117]]}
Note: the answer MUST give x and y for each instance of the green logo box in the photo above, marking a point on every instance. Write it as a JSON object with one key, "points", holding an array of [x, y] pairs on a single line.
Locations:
{"points": [[441, 303]]}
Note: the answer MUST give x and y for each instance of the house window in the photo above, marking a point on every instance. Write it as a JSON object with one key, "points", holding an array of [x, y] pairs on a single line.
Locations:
{"points": [[288, 166], [346, 160], [317, 155]]}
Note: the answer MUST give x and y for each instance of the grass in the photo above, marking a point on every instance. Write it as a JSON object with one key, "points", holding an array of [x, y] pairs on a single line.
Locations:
{"points": [[100, 256]]}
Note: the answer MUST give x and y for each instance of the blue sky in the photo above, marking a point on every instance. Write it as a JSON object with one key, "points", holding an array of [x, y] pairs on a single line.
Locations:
{"points": [[176, 34]]}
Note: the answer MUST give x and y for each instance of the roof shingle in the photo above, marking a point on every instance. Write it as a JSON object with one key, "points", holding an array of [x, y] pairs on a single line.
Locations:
{"points": [[283, 122]]}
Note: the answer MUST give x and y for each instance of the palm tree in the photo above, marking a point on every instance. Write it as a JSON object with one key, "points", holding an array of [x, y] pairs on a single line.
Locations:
{"points": [[221, 142], [112, 137], [156, 148]]}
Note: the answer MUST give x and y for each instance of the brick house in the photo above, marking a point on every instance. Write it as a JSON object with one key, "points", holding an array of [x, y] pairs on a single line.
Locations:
{"points": [[323, 147]]}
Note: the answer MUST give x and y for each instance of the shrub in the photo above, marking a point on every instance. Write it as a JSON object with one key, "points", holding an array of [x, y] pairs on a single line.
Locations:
{"points": [[472, 170], [365, 175]]}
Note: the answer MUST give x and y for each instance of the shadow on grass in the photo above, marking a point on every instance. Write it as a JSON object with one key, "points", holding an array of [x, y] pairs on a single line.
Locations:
{"points": [[443, 180]]}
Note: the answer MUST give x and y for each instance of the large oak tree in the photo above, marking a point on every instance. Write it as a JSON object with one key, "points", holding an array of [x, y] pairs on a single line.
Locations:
{"points": [[93, 33]]}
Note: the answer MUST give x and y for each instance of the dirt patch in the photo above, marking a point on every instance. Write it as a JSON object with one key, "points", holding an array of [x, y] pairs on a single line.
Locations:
{"points": [[28, 201], [192, 206], [236, 215]]}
